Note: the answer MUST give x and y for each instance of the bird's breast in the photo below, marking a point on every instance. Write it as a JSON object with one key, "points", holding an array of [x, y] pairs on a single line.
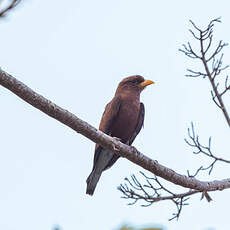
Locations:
{"points": [[126, 122]]}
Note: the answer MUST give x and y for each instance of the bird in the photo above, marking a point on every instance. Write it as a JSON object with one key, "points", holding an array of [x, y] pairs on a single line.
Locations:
{"points": [[123, 119]]}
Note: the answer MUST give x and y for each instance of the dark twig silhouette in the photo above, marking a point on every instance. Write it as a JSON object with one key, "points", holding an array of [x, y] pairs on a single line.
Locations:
{"points": [[11, 5]]}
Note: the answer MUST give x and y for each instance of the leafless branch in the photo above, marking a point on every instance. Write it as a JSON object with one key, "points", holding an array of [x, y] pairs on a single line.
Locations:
{"points": [[11, 5], [195, 74], [153, 191], [205, 39], [194, 142], [226, 85], [188, 51]]}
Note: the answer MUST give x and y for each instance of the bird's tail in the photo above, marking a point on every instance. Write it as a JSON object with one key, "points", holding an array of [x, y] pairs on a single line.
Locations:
{"points": [[102, 161], [92, 181]]}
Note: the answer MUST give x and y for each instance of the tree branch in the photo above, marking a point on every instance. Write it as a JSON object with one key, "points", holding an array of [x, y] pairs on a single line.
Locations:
{"points": [[82, 127], [10, 6], [205, 38], [194, 142], [153, 191]]}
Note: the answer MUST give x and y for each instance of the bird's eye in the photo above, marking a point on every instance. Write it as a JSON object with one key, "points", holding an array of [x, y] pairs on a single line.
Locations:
{"points": [[135, 81]]}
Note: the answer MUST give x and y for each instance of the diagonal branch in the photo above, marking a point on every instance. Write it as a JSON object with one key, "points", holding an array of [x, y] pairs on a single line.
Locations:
{"points": [[214, 86], [110, 143], [10, 6]]}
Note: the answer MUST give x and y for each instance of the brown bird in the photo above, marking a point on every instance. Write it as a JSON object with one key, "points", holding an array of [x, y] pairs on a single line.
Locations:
{"points": [[123, 118]]}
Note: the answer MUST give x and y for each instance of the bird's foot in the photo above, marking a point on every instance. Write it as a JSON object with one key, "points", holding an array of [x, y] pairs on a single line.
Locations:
{"points": [[114, 147]]}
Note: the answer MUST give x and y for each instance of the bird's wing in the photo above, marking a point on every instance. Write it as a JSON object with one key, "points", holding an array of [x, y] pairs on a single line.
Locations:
{"points": [[110, 114], [108, 117], [140, 123]]}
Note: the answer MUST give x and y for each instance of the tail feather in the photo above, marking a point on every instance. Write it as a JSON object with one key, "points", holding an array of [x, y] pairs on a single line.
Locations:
{"points": [[92, 181], [100, 165]]}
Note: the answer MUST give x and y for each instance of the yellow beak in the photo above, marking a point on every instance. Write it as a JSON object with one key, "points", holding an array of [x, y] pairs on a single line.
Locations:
{"points": [[146, 83]]}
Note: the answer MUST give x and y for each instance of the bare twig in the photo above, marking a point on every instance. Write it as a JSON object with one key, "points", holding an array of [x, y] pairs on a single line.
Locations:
{"points": [[194, 142], [195, 74], [205, 38], [226, 85], [153, 191], [12, 4]]}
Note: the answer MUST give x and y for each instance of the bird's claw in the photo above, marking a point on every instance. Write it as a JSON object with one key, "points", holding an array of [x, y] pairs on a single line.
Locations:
{"points": [[114, 147]]}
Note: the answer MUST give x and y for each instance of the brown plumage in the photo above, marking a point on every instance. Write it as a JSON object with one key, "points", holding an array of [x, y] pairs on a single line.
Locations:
{"points": [[123, 118]]}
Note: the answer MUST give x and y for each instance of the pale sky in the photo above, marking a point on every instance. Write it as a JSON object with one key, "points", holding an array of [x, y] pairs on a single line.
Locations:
{"points": [[75, 54]]}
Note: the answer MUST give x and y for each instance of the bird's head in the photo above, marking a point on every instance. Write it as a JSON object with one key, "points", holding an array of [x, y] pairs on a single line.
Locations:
{"points": [[133, 84]]}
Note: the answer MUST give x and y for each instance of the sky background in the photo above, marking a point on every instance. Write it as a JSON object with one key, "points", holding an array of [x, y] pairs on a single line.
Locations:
{"points": [[75, 53]]}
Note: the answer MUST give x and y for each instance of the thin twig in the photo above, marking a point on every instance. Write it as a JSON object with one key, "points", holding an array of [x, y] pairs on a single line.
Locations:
{"points": [[10, 7], [154, 192], [194, 142], [205, 38]]}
